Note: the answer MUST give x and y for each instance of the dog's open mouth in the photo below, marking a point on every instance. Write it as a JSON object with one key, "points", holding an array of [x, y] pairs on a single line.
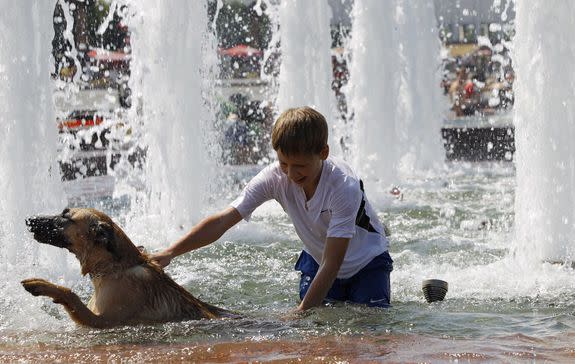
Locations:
{"points": [[48, 230]]}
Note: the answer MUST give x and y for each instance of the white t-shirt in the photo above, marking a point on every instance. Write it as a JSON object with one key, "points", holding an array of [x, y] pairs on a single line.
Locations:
{"points": [[331, 212]]}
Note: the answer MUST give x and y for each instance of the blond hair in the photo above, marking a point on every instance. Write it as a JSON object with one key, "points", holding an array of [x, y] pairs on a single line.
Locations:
{"points": [[301, 130]]}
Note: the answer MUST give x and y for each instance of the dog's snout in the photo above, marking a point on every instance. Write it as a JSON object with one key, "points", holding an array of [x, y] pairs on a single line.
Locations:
{"points": [[48, 229], [38, 223], [33, 222]]}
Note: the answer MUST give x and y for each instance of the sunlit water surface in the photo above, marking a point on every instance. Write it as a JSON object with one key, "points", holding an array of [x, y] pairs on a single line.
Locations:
{"points": [[456, 227]]}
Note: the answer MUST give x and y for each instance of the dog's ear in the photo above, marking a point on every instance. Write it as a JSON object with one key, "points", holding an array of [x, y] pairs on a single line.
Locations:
{"points": [[103, 234]]}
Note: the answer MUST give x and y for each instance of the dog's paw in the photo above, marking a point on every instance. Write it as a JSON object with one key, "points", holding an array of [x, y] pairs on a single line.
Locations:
{"points": [[35, 286], [41, 287]]}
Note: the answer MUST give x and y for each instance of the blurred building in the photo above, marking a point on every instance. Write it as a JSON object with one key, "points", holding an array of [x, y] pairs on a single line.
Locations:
{"points": [[461, 22]]}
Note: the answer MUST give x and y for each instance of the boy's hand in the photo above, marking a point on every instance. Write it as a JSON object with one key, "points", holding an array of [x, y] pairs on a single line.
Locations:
{"points": [[163, 258], [333, 254], [295, 314]]}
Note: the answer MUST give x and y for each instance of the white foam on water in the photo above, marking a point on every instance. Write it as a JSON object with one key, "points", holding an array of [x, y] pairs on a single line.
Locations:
{"points": [[504, 279]]}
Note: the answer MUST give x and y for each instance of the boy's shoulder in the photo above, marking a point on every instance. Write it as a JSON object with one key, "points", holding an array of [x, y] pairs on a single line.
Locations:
{"points": [[338, 173], [339, 167], [271, 172], [341, 174]]}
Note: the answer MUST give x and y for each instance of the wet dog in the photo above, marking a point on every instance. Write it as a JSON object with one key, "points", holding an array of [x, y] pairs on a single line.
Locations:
{"points": [[129, 288]]}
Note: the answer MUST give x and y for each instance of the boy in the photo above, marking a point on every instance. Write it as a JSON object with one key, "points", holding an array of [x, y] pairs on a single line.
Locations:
{"points": [[345, 255]]}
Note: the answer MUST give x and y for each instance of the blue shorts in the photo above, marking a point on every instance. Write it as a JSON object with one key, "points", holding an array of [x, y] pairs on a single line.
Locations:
{"points": [[369, 286]]}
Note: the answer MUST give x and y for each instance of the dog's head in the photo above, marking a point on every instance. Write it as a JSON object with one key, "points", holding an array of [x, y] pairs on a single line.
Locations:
{"points": [[91, 235]]}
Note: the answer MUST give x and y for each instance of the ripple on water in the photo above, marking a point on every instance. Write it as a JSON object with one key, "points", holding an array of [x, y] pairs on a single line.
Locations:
{"points": [[457, 227]]}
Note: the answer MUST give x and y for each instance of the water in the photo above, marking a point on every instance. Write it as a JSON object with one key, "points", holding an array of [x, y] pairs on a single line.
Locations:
{"points": [[545, 126], [395, 109], [456, 223], [170, 81], [29, 178], [371, 102], [305, 74], [457, 227], [29, 167]]}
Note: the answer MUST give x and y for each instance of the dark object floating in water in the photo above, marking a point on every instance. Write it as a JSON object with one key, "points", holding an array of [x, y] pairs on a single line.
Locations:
{"points": [[434, 289]]}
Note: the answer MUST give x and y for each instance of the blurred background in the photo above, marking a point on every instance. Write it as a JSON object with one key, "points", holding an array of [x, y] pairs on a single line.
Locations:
{"points": [[93, 56]]}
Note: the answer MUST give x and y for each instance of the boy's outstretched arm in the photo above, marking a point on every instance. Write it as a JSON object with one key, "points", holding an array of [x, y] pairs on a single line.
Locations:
{"points": [[333, 255], [205, 232]]}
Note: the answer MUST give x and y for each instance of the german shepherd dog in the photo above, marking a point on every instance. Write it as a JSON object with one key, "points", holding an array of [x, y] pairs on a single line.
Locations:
{"points": [[129, 288]]}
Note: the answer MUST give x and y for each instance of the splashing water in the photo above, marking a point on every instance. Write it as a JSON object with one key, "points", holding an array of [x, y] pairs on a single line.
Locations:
{"points": [[545, 125], [305, 73], [456, 223], [394, 100], [28, 170], [171, 76], [374, 112]]}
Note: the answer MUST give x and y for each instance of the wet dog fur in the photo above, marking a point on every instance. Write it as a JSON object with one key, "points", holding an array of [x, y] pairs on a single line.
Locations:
{"points": [[129, 288]]}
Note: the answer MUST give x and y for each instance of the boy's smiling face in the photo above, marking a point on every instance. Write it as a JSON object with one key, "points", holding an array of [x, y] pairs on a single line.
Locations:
{"points": [[303, 169]]}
